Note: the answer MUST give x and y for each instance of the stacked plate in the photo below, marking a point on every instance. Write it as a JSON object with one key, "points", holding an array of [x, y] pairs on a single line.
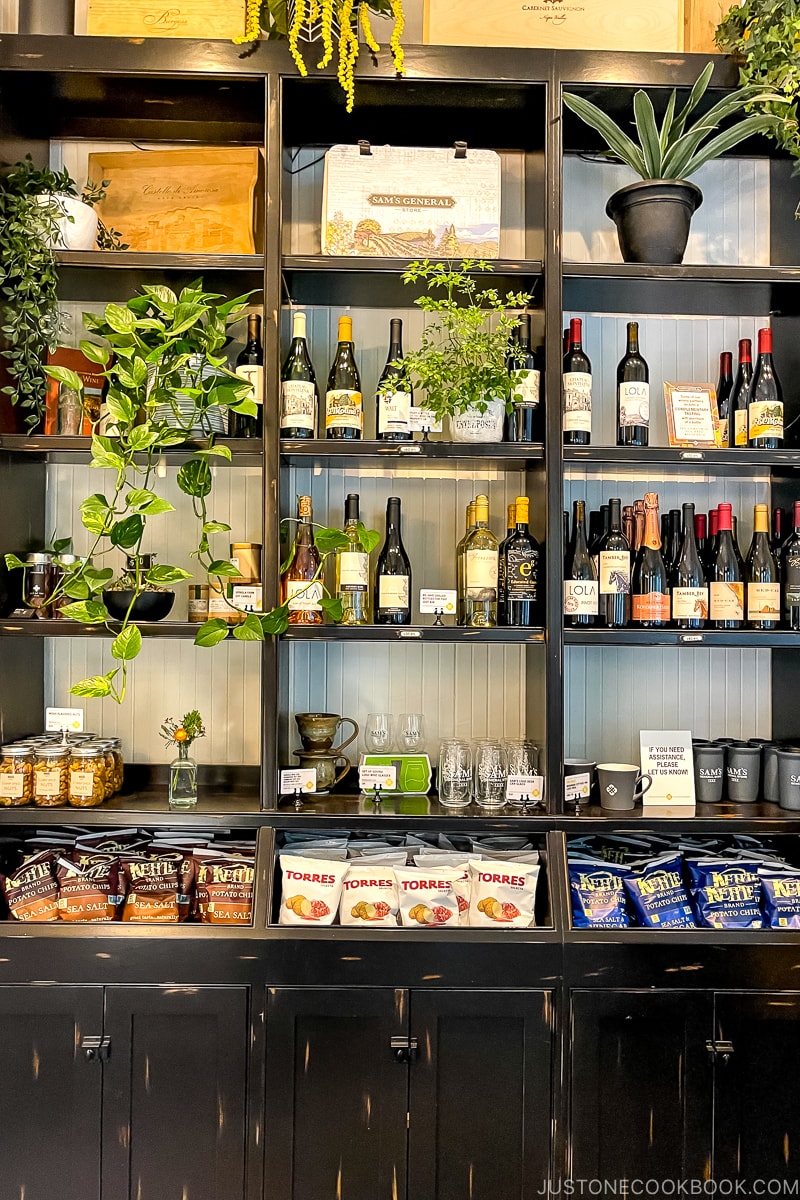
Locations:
{"points": [[181, 412]]}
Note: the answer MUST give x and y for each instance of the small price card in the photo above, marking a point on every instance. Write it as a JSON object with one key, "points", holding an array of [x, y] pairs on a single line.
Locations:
{"points": [[667, 757], [577, 788], [433, 602], [56, 719], [692, 418], [422, 419], [294, 781], [521, 787], [372, 777]]}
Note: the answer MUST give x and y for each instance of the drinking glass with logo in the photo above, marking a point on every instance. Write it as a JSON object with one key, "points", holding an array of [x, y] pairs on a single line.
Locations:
{"points": [[378, 733], [410, 734], [455, 773], [489, 783], [522, 758]]}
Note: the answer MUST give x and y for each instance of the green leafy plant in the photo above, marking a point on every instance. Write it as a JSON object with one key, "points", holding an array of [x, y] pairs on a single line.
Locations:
{"points": [[764, 35], [679, 148], [184, 732], [461, 362]]}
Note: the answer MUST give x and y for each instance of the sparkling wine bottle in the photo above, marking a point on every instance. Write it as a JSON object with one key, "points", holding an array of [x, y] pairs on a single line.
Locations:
{"points": [[650, 588], [344, 404], [519, 571]]}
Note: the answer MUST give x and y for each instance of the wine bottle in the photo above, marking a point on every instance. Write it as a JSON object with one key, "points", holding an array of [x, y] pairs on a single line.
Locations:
{"points": [[765, 404], [628, 522], [740, 394], [250, 366], [565, 526], [614, 575], [567, 342], [352, 569], [650, 589], [344, 405], [511, 525], [460, 584], [394, 395], [777, 539], [633, 394], [577, 383], [674, 542], [700, 537], [763, 581], [481, 571], [726, 587], [301, 587], [526, 379], [638, 525], [689, 587], [711, 541], [299, 392], [581, 598], [393, 574], [724, 389], [791, 572], [736, 550], [665, 537], [519, 571]]}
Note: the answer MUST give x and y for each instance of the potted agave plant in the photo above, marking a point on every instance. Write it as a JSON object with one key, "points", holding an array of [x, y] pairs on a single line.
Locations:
{"points": [[653, 216]]}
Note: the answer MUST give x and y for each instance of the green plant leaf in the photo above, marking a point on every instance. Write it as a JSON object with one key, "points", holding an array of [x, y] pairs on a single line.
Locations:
{"points": [[94, 685], [60, 545], [127, 532], [121, 320], [645, 117], [276, 622], [221, 566], [194, 478], [105, 457], [13, 563], [94, 353], [141, 437], [696, 94], [164, 573], [64, 375], [218, 451], [666, 124], [612, 135], [248, 408], [127, 644], [96, 579], [120, 407], [185, 316], [250, 630], [89, 612], [139, 496], [164, 295], [333, 607], [156, 506], [327, 540], [212, 632], [76, 589], [370, 538], [726, 140], [215, 527]]}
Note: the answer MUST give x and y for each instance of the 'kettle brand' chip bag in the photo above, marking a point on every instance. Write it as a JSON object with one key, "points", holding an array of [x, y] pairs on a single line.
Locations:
{"points": [[780, 897], [598, 894], [225, 890], [32, 891], [432, 896], [87, 891], [369, 896], [312, 889], [658, 896], [726, 893], [153, 887], [502, 893]]}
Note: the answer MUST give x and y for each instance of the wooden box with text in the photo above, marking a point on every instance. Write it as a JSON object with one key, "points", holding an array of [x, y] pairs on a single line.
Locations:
{"points": [[150, 18]]}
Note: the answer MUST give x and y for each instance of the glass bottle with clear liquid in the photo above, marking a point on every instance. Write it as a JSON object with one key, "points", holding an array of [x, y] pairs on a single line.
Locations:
{"points": [[183, 779]]}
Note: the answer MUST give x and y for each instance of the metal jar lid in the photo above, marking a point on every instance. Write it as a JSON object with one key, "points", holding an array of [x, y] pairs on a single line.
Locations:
{"points": [[52, 751], [88, 752], [39, 560], [16, 751]]}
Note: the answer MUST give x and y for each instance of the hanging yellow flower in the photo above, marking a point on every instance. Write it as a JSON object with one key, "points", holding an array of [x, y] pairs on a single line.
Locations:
{"points": [[252, 23]]}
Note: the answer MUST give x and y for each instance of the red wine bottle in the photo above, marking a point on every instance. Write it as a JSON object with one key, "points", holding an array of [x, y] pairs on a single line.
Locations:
{"points": [[740, 394], [525, 377], [394, 395], [689, 587], [765, 403], [614, 573], [633, 394], [650, 588], [577, 386], [581, 598], [700, 535], [727, 584], [724, 389], [791, 573]]}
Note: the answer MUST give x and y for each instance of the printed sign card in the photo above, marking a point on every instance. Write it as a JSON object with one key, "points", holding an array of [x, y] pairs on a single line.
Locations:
{"points": [[666, 755], [692, 417]]}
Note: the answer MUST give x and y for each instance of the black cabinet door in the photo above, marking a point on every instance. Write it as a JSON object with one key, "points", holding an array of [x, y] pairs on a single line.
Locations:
{"points": [[640, 1085], [50, 1096], [175, 1093], [756, 1098], [480, 1098], [337, 1098]]}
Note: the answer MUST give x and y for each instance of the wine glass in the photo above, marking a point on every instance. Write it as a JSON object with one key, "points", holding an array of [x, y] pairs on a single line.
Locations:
{"points": [[410, 733], [378, 733]]}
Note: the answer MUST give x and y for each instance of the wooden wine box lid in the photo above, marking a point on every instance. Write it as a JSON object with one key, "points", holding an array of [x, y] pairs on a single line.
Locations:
{"points": [[198, 201], [151, 18]]}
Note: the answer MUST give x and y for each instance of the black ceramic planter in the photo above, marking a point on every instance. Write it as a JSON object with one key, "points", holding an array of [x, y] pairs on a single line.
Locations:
{"points": [[653, 218], [149, 606]]}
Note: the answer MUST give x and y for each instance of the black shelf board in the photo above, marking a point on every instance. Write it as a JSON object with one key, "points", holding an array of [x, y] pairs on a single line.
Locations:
{"points": [[245, 452], [349, 810], [361, 264], [136, 260], [148, 807], [510, 454], [64, 627], [730, 461], [754, 638], [426, 633], [705, 818], [682, 271], [690, 288]]}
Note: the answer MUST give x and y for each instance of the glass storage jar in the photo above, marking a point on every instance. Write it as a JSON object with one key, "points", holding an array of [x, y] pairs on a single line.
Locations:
{"points": [[16, 776], [107, 747], [87, 776], [50, 776], [119, 764]]}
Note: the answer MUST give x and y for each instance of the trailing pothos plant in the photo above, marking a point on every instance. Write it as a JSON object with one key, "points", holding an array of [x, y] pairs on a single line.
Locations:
{"points": [[165, 348]]}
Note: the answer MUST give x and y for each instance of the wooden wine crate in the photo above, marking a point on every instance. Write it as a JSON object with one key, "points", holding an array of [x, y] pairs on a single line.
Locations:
{"points": [[654, 25], [222, 19], [702, 19], [196, 201]]}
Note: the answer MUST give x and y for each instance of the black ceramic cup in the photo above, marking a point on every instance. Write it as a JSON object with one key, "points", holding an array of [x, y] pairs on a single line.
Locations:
{"points": [[770, 790], [582, 766], [789, 778], [743, 772], [709, 772]]}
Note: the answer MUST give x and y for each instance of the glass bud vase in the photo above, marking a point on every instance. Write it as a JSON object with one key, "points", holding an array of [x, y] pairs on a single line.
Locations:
{"points": [[183, 780]]}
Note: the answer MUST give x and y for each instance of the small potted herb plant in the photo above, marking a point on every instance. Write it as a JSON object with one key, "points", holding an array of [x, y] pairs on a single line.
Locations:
{"points": [[653, 215]]}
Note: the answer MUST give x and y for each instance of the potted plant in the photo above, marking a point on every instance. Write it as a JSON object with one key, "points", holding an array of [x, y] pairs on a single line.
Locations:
{"points": [[461, 363], [653, 216], [183, 769]]}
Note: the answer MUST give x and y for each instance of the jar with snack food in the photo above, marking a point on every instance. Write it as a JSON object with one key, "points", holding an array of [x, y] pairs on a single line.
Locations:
{"points": [[16, 775], [87, 776], [51, 776], [107, 747], [119, 764]]}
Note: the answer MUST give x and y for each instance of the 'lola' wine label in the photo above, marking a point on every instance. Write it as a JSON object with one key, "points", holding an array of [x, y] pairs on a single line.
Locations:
{"points": [[581, 598], [634, 404]]}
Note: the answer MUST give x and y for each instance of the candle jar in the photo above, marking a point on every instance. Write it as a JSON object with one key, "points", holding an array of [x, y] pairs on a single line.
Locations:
{"points": [[16, 776]]}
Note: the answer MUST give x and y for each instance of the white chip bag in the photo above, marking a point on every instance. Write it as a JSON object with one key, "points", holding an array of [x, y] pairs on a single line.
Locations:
{"points": [[369, 896], [311, 890], [502, 893], [432, 897]]}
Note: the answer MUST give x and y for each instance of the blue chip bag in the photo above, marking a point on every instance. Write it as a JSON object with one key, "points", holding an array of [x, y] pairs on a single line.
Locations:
{"points": [[780, 897], [726, 893], [598, 894], [658, 896]]}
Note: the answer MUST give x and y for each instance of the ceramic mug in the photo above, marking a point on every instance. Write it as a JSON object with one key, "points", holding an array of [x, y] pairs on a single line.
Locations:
{"points": [[743, 772], [317, 730], [709, 772], [789, 778], [325, 766], [619, 785]]}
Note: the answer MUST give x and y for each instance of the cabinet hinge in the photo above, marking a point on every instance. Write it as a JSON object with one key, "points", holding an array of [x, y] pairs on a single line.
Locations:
{"points": [[404, 1049], [96, 1049], [720, 1050], [408, 1120]]}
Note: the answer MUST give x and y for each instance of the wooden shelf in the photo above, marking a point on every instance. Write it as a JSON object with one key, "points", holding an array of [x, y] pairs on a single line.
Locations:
{"points": [[508, 454], [753, 638], [524, 268], [245, 452], [414, 633], [63, 627], [134, 260], [744, 461]]}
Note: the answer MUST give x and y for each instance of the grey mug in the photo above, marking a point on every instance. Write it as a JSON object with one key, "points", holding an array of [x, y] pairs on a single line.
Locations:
{"points": [[789, 779], [619, 785]]}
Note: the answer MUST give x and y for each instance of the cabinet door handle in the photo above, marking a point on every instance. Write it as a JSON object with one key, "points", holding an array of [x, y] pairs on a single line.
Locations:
{"points": [[404, 1049], [720, 1049], [96, 1049]]}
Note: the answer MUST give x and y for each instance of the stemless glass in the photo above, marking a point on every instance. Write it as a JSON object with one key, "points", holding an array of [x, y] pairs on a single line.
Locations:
{"points": [[409, 735], [522, 758], [489, 776], [455, 773], [378, 733]]}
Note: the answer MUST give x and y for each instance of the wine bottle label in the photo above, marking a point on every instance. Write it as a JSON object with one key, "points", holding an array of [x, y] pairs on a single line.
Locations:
{"points": [[615, 571], [634, 404], [393, 591], [765, 418], [690, 603], [344, 410], [727, 601], [578, 401], [652, 606], [304, 595], [791, 566], [581, 597], [481, 570], [297, 404], [255, 377], [526, 388], [12, 787], [48, 783], [763, 601], [722, 432], [353, 571], [81, 784], [521, 573], [394, 409], [740, 427]]}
